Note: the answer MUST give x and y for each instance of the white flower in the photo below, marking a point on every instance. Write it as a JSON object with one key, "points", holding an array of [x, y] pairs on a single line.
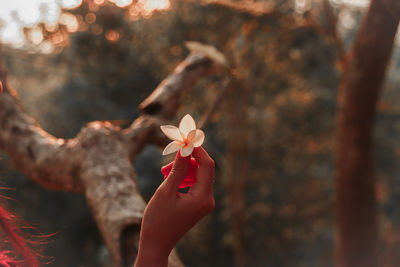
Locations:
{"points": [[186, 137]]}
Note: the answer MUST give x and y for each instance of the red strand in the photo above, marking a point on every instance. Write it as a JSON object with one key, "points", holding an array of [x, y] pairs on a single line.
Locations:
{"points": [[14, 238]]}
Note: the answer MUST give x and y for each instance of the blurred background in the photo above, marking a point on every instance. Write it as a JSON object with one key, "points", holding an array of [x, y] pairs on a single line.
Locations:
{"points": [[77, 61]]}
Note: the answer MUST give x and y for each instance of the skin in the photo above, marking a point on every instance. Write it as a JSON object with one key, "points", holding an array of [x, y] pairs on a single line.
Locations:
{"points": [[170, 214]]}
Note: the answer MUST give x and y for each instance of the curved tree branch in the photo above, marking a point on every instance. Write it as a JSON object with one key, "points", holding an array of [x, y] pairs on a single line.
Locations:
{"points": [[51, 162], [164, 101], [98, 162]]}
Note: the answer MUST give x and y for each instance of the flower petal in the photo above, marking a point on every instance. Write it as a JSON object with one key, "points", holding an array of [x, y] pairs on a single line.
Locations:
{"points": [[187, 124], [172, 147], [172, 132], [196, 137], [187, 150]]}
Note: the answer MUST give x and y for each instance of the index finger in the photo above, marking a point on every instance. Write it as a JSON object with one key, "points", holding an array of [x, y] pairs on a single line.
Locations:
{"points": [[205, 172], [178, 172]]}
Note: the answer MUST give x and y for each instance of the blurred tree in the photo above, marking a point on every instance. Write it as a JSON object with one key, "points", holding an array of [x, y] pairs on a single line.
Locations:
{"points": [[356, 210]]}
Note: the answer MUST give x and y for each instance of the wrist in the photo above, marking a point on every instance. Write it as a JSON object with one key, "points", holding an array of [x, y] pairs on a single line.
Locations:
{"points": [[150, 256]]}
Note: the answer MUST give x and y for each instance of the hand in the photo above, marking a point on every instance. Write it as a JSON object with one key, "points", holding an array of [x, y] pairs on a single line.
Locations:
{"points": [[170, 214]]}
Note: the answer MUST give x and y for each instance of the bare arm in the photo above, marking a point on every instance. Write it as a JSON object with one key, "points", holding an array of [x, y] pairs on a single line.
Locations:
{"points": [[170, 214]]}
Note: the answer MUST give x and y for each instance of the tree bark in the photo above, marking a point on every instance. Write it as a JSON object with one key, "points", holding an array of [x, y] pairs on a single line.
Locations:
{"points": [[356, 212], [98, 162]]}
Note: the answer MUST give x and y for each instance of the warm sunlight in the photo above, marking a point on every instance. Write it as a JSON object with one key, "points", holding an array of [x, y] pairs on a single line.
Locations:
{"points": [[17, 14], [304, 5], [151, 5], [122, 3], [283, 121], [359, 3]]}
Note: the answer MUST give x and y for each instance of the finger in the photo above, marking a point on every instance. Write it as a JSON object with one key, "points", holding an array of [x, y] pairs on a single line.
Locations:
{"points": [[178, 173], [167, 169], [205, 172]]}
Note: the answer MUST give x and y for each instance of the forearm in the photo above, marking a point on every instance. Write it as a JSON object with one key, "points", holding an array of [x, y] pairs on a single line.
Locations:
{"points": [[151, 256], [151, 261], [169, 214]]}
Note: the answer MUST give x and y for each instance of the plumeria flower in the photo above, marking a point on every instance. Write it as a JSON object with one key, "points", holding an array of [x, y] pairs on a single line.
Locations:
{"points": [[186, 137]]}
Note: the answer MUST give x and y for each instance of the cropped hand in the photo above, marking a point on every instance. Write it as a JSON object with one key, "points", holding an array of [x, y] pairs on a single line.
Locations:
{"points": [[170, 214]]}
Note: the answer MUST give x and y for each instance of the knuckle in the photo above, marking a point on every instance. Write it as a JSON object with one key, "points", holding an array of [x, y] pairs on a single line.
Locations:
{"points": [[206, 205], [210, 163], [211, 205], [177, 169]]}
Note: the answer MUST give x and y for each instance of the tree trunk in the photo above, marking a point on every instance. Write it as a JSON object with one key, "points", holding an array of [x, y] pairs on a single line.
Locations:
{"points": [[356, 212], [98, 162]]}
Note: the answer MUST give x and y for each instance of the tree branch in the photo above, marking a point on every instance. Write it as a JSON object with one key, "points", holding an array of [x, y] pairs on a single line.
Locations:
{"points": [[49, 161], [332, 21], [164, 101], [227, 85], [98, 162]]}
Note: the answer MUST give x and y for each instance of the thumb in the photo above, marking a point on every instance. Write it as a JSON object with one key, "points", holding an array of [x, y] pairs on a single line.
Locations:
{"points": [[178, 172]]}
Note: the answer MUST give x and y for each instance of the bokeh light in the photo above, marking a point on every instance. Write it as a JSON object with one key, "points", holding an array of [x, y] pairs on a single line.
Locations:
{"points": [[69, 21], [71, 3], [151, 5], [16, 15], [112, 36], [122, 3]]}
